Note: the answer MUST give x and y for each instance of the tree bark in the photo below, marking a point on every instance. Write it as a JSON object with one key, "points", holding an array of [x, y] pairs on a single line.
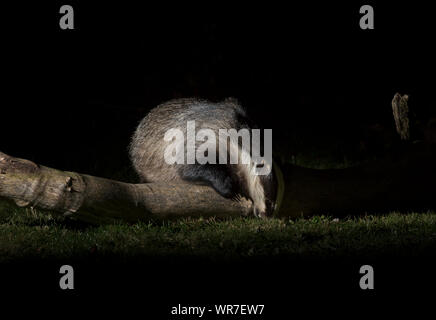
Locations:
{"points": [[400, 110], [405, 181]]}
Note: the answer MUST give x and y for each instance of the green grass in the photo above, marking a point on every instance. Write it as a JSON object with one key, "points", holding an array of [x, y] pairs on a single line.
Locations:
{"points": [[29, 234]]}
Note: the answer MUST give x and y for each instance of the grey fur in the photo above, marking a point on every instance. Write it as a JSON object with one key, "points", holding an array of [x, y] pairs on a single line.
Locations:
{"points": [[148, 146]]}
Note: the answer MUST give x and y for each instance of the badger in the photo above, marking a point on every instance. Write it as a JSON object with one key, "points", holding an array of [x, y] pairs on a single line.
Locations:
{"points": [[231, 180]]}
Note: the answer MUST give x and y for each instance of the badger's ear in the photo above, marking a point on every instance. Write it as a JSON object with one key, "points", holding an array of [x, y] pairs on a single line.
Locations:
{"points": [[231, 100]]}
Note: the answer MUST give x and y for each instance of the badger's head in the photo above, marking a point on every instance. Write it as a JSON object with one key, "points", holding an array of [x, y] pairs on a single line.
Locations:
{"points": [[265, 190]]}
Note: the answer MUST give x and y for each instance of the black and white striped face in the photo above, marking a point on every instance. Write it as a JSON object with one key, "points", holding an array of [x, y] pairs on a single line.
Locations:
{"points": [[261, 189], [269, 185]]}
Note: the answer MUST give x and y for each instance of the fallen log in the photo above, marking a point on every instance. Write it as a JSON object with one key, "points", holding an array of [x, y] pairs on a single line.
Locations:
{"points": [[405, 183], [100, 200]]}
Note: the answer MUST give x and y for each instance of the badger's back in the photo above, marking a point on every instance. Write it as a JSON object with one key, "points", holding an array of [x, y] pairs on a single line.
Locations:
{"points": [[147, 147]]}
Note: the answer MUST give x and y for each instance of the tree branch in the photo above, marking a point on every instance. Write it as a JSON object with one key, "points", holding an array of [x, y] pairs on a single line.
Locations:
{"points": [[101, 200], [400, 109]]}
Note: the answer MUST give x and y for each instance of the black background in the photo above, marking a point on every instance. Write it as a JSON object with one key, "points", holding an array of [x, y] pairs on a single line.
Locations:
{"points": [[297, 68], [72, 98]]}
